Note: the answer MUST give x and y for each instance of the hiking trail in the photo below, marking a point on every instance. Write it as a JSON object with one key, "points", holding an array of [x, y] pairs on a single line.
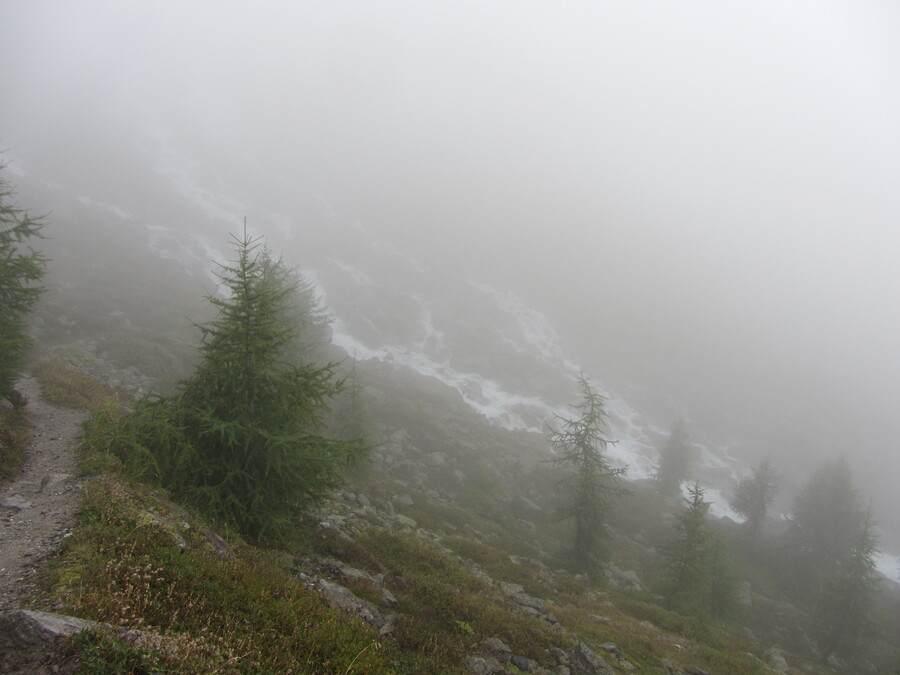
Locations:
{"points": [[37, 508]]}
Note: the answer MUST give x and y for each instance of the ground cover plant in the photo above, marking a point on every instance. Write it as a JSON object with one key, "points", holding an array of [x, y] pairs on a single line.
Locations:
{"points": [[131, 565]]}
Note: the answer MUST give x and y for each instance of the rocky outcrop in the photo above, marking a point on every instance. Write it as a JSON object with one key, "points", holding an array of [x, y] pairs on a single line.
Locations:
{"points": [[30, 641], [584, 661], [349, 576], [627, 580], [672, 669], [342, 598], [339, 596], [494, 657]]}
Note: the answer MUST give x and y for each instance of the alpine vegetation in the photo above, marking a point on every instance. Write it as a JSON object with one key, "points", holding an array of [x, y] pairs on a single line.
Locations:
{"points": [[241, 438]]}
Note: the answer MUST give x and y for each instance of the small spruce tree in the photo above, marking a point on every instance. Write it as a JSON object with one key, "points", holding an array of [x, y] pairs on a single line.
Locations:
{"points": [[21, 270], [826, 514], [593, 484], [844, 614], [698, 578], [753, 496], [241, 438], [675, 461]]}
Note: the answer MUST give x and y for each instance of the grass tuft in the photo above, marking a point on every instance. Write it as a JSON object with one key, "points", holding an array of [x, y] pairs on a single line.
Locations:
{"points": [[15, 433], [64, 385]]}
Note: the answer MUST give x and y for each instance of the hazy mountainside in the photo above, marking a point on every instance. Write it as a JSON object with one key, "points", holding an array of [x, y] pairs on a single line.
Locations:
{"points": [[458, 382], [132, 248], [132, 242]]}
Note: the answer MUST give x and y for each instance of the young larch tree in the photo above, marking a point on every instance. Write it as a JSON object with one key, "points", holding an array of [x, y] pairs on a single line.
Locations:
{"points": [[593, 484]]}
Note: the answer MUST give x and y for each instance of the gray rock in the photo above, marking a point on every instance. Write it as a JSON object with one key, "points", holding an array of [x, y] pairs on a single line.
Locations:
{"points": [[405, 521], [53, 480], [611, 648], [583, 661], [498, 648], [776, 661], [342, 598], [352, 576], [559, 656], [485, 665], [16, 502], [523, 663], [219, 546], [29, 640], [627, 579], [517, 594]]}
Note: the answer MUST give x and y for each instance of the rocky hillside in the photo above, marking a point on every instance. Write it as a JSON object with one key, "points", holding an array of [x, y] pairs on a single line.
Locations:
{"points": [[440, 555]]}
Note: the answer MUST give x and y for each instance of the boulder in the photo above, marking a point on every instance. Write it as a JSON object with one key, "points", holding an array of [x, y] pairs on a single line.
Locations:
{"points": [[342, 598], [16, 502], [523, 663], [353, 577], [583, 661], [516, 593], [30, 640], [628, 579], [498, 649], [485, 665]]}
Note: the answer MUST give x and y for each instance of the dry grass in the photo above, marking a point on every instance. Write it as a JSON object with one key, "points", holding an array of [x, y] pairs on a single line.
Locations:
{"points": [[15, 433], [64, 385]]}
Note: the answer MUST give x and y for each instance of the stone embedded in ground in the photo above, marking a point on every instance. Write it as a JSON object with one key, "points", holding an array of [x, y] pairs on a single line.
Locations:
{"points": [[16, 502], [29, 640]]}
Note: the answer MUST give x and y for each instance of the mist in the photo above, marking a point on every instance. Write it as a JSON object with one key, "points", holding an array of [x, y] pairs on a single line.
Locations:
{"points": [[702, 197]]}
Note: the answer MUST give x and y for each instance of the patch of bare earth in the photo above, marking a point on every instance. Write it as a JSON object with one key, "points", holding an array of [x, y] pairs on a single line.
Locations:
{"points": [[37, 508]]}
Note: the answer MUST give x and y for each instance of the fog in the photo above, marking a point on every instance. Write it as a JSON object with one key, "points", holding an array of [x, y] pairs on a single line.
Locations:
{"points": [[703, 196]]}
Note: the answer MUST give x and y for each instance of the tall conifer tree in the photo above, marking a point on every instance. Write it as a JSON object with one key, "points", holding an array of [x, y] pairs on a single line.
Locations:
{"points": [[594, 483], [753, 496], [675, 461], [845, 611], [698, 577], [21, 270]]}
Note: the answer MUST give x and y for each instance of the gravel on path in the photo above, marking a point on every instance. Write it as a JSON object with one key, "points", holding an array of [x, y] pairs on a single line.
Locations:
{"points": [[38, 507]]}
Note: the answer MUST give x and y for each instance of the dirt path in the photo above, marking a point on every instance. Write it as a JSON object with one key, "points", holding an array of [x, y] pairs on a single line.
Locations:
{"points": [[36, 509]]}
